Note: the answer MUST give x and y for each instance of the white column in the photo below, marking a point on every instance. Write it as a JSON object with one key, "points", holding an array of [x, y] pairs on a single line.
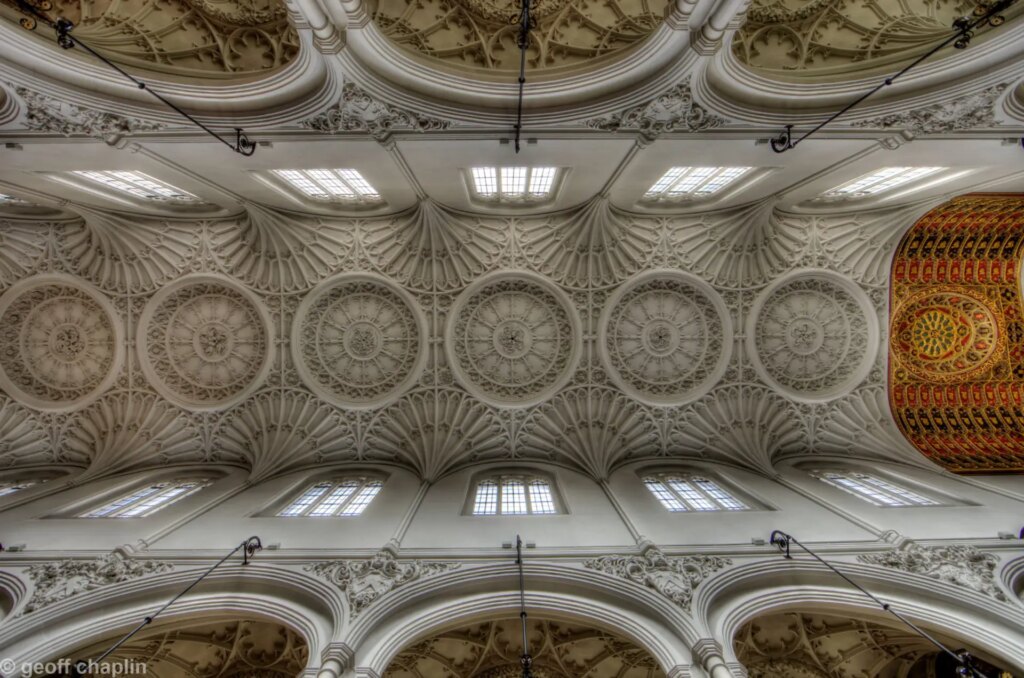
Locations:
{"points": [[708, 652]]}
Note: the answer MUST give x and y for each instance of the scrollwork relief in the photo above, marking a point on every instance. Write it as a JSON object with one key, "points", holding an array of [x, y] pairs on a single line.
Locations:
{"points": [[364, 581], [57, 581], [358, 111], [960, 564], [675, 577], [674, 111]]}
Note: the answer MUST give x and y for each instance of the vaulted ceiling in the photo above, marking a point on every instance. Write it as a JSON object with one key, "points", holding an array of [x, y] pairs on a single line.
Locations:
{"points": [[258, 328]]}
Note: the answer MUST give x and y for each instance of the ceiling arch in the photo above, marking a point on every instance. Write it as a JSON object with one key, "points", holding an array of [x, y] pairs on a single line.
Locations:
{"points": [[194, 39]]}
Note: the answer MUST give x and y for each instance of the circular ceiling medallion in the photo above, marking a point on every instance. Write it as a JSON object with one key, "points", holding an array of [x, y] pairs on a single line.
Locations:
{"points": [[205, 342], [665, 337], [513, 338], [359, 340], [812, 335], [944, 336], [61, 343]]}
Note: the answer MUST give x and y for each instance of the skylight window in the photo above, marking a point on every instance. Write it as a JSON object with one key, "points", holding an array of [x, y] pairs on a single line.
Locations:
{"points": [[330, 185], [11, 200], [146, 501], [690, 183], [513, 184], [7, 488], [138, 185], [682, 492], [514, 495], [881, 181], [346, 497], [874, 490]]}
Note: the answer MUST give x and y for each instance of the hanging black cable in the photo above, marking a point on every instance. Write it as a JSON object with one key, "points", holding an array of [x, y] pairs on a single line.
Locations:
{"points": [[523, 42], [963, 658], [62, 27], [526, 659], [250, 546], [963, 31]]}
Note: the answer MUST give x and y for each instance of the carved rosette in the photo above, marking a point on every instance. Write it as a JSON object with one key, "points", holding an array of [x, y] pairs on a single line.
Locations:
{"points": [[946, 336], [359, 340], [364, 581], [61, 342], [513, 339], [665, 337], [675, 577], [812, 335], [204, 342]]}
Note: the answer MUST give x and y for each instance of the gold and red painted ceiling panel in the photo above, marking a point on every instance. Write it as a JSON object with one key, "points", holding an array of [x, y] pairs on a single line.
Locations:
{"points": [[956, 336]]}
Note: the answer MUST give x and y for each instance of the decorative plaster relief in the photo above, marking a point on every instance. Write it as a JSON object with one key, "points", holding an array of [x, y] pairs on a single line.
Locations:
{"points": [[481, 34], [433, 249], [833, 37], [359, 340], [22, 248], [812, 335], [56, 581], [592, 428], [595, 246], [675, 577], [798, 645], [197, 39], [960, 565], [123, 430], [665, 337], [23, 441], [493, 650], [205, 342], [359, 112], [47, 114], [364, 581], [433, 431], [132, 256], [61, 343], [673, 111], [275, 251], [513, 339], [189, 648], [278, 431], [970, 111]]}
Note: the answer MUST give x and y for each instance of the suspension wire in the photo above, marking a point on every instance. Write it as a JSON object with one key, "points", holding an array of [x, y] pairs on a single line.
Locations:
{"points": [[523, 42], [63, 27], [526, 659], [963, 32], [962, 657], [250, 546]]}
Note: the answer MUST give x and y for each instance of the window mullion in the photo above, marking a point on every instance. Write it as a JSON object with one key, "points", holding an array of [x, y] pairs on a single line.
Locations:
{"points": [[704, 493], [340, 509], [135, 502], [526, 482], [323, 497], [666, 482]]}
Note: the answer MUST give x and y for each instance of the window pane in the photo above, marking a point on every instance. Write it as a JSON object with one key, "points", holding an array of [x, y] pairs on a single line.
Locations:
{"points": [[11, 488], [485, 180], [137, 184], [667, 499], [901, 492], [541, 500], [541, 180], [513, 181], [342, 185], [486, 503], [125, 501], [863, 486], [690, 496], [720, 496], [362, 499], [513, 497], [147, 500], [300, 505], [336, 499]]}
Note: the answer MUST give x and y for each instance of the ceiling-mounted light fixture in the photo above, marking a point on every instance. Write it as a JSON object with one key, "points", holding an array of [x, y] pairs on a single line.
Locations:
{"points": [[963, 31], [526, 22], [35, 10]]}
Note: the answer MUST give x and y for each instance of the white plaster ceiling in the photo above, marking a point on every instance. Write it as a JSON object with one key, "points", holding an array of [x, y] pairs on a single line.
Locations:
{"points": [[588, 332]]}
